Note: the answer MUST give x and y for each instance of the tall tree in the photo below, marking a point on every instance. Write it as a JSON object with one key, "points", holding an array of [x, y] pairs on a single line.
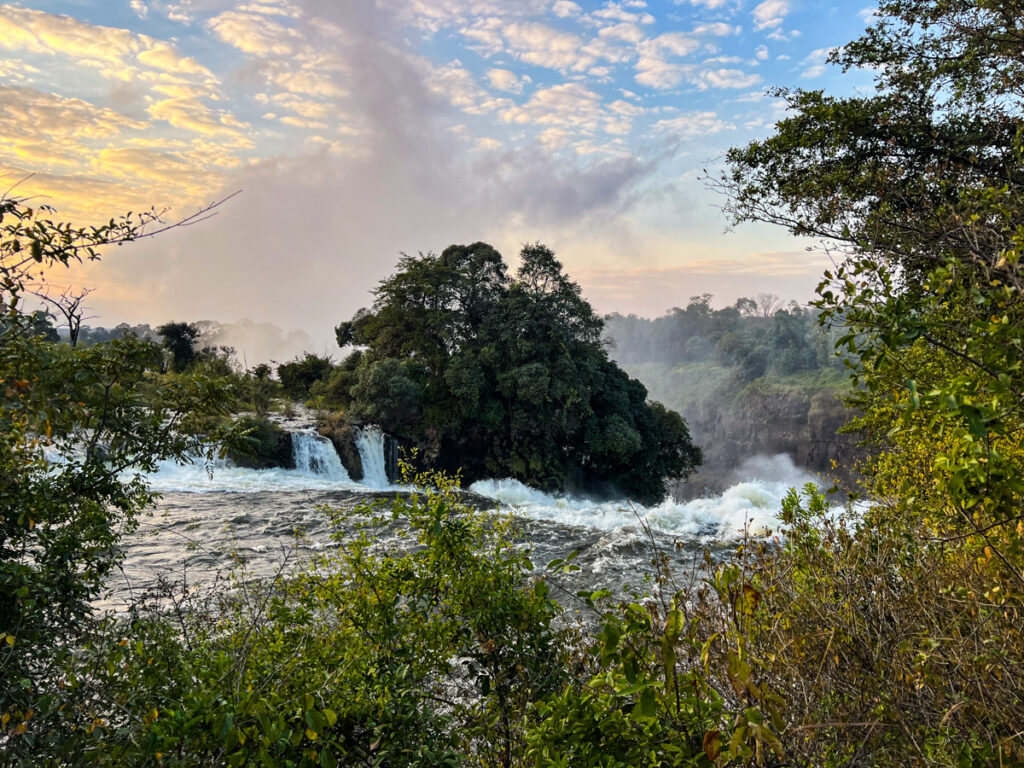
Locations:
{"points": [[180, 340], [917, 189], [498, 376], [60, 520]]}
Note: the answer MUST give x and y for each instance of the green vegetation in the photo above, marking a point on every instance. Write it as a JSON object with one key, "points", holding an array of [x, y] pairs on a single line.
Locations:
{"points": [[887, 635], [60, 522], [496, 377], [298, 376], [911, 617], [695, 356], [265, 446]]}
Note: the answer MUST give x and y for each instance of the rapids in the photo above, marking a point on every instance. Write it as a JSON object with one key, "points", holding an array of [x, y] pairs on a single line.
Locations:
{"points": [[217, 516]]}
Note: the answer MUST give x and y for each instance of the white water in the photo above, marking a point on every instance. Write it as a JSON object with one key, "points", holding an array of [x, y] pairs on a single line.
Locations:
{"points": [[370, 442], [751, 505], [317, 468], [314, 455], [198, 478], [201, 532]]}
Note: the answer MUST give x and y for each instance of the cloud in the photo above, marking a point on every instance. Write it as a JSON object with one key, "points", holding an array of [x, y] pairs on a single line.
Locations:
{"points": [[566, 8], [718, 29], [506, 80], [691, 124], [544, 46], [193, 115], [815, 62], [655, 67], [320, 225], [254, 33], [724, 78], [626, 31], [710, 4], [45, 131], [614, 12], [116, 53], [353, 140], [868, 15], [770, 14], [566, 105]]}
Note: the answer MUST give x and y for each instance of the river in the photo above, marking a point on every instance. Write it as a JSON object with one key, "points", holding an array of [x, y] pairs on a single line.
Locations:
{"points": [[214, 517]]}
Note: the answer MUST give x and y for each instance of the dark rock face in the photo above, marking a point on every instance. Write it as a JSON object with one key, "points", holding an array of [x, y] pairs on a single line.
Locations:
{"points": [[343, 436], [270, 446], [763, 422], [392, 448]]}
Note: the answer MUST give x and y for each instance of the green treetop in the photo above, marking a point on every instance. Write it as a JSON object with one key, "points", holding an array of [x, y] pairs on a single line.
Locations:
{"points": [[503, 376]]}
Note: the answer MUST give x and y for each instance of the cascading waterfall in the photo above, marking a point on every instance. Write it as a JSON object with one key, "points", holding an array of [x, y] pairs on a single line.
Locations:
{"points": [[370, 443], [314, 454]]}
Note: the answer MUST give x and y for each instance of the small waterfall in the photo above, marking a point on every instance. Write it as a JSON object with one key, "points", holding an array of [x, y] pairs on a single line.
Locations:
{"points": [[370, 442], [314, 454]]}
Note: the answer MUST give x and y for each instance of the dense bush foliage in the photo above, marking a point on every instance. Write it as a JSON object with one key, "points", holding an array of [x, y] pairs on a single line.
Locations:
{"points": [[72, 420], [917, 188], [298, 376], [498, 377]]}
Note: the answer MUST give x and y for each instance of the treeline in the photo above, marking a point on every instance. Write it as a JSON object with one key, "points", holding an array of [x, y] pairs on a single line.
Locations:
{"points": [[755, 336]]}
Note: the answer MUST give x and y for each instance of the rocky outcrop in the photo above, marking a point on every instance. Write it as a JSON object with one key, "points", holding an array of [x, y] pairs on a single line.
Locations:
{"points": [[343, 436], [268, 446]]}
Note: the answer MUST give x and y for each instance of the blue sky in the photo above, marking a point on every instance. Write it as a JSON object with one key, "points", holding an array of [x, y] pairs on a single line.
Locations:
{"points": [[358, 129]]}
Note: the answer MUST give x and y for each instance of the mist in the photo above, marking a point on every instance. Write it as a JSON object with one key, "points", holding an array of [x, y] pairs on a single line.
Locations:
{"points": [[317, 226]]}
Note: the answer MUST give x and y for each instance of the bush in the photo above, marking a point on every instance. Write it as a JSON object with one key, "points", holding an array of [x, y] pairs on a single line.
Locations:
{"points": [[265, 445], [426, 654]]}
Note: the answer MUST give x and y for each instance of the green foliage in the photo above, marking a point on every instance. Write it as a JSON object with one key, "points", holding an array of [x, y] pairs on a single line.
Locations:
{"points": [[93, 413], [262, 444], [258, 390], [179, 339], [918, 188], [495, 376], [298, 376], [877, 644], [785, 341], [425, 654]]}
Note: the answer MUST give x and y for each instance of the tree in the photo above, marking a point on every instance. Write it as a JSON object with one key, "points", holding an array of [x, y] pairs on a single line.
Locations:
{"points": [[69, 306], [180, 340], [60, 520], [500, 376], [917, 190], [298, 376]]}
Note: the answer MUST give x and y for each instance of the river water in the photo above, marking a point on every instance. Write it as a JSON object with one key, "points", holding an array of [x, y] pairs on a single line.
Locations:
{"points": [[216, 517]]}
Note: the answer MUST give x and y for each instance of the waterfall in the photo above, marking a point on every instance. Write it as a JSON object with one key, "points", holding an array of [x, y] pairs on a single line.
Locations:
{"points": [[370, 442], [314, 454]]}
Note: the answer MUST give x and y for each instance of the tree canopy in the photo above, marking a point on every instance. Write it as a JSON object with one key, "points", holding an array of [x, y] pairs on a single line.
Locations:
{"points": [[506, 376], [917, 191]]}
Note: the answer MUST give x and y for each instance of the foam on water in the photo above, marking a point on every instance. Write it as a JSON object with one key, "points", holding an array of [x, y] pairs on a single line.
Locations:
{"points": [[752, 505], [198, 478]]}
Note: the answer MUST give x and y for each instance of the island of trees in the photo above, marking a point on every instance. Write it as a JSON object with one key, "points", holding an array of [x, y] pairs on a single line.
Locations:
{"points": [[504, 377]]}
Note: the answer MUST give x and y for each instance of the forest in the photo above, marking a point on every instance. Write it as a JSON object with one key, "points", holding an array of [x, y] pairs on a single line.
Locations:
{"points": [[880, 633]]}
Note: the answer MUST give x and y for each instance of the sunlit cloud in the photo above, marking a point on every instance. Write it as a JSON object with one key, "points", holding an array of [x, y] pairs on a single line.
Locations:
{"points": [[359, 129]]}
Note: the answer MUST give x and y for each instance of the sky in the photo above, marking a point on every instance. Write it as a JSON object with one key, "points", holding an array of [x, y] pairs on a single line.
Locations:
{"points": [[360, 129]]}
